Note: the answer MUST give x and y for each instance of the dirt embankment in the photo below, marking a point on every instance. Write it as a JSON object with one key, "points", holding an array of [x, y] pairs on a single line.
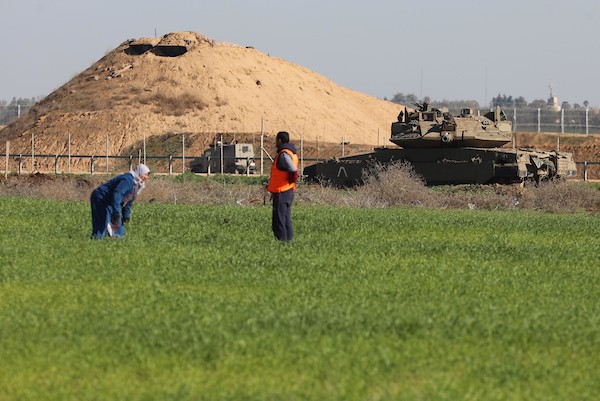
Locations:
{"points": [[584, 147], [200, 88]]}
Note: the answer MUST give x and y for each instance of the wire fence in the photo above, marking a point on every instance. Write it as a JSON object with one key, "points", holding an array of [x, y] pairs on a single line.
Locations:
{"points": [[109, 164], [580, 121], [31, 163]]}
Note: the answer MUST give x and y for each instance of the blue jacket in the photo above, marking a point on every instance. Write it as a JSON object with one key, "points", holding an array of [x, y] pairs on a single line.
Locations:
{"points": [[117, 195]]}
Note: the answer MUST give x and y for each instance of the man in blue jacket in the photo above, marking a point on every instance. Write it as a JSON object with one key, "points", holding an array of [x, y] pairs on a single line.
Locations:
{"points": [[111, 202]]}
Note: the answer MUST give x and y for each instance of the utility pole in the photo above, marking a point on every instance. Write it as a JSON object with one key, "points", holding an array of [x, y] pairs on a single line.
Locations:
{"points": [[343, 143], [107, 154], [262, 132]]}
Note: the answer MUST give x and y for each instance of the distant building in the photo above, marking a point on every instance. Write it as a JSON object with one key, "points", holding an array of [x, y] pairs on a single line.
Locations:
{"points": [[553, 101]]}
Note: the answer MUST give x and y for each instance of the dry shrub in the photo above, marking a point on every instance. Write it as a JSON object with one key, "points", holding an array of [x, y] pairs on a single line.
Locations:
{"points": [[48, 186], [393, 185], [324, 194], [399, 185], [552, 196], [174, 105], [384, 187], [561, 196], [159, 189]]}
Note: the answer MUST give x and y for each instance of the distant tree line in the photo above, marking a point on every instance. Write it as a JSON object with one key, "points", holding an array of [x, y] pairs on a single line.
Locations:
{"points": [[9, 111], [505, 102], [538, 115]]}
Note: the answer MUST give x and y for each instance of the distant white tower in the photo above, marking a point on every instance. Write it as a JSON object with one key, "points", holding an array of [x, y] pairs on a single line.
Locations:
{"points": [[553, 100]]}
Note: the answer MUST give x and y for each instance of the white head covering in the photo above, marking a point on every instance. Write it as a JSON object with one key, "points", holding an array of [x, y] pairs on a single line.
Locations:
{"points": [[138, 172]]}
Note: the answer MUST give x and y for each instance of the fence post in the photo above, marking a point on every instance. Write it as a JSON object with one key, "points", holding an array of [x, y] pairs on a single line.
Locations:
{"points": [[107, 154], [302, 153], [92, 165], [539, 120], [262, 125], [32, 152], [208, 164], [20, 164], [69, 157], [587, 131], [514, 120], [183, 154], [7, 153], [170, 165], [247, 166], [585, 171], [56, 165], [130, 162], [562, 121]]}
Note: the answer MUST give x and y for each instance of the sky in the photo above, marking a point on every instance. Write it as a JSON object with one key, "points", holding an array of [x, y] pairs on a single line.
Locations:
{"points": [[459, 50]]}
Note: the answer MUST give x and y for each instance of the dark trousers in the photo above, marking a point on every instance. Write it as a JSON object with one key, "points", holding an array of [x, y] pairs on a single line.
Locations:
{"points": [[101, 218], [282, 215]]}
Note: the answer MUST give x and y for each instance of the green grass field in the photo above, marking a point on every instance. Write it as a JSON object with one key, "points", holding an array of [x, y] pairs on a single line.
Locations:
{"points": [[200, 303]]}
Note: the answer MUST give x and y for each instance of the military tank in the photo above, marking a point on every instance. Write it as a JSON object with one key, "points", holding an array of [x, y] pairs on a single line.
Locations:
{"points": [[447, 149]]}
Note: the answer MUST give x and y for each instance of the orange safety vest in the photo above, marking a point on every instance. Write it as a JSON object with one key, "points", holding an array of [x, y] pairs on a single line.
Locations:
{"points": [[279, 181]]}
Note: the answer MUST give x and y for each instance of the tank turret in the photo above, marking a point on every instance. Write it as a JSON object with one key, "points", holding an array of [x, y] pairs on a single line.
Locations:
{"points": [[431, 127]]}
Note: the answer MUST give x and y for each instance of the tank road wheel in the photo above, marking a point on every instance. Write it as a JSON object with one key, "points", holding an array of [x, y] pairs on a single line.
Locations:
{"points": [[447, 137]]}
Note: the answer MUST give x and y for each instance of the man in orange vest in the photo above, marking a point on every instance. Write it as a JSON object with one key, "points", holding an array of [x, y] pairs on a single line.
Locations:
{"points": [[282, 185]]}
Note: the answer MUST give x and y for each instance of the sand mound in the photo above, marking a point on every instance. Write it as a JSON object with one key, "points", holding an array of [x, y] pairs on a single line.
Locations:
{"points": [[187, 83]]}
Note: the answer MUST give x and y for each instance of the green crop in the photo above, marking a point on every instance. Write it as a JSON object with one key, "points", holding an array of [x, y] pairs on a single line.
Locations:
{"points": [[201, 303]]}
